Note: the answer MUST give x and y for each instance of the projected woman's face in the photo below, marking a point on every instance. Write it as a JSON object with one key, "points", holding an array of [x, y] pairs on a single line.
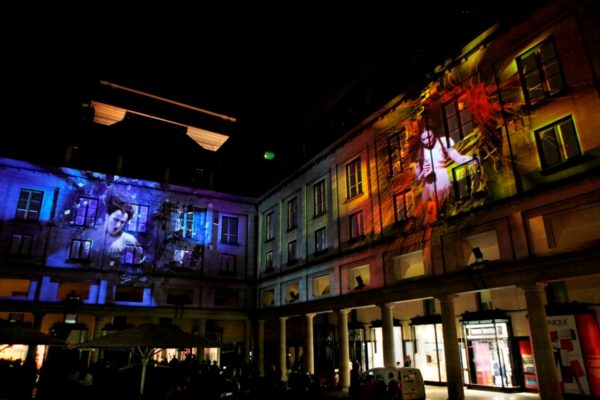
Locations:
{"points": [[116, 222]]}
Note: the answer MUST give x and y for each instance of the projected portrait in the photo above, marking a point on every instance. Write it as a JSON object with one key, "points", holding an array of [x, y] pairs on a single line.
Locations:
{"points": [[112, 239], [432, 158]]}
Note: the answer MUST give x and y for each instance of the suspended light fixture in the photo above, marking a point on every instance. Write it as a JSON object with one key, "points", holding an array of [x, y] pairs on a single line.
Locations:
{"points": [[107, 114]]}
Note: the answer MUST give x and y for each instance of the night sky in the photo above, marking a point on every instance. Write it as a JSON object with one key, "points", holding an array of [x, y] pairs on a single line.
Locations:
{"points": [[295, 76]]}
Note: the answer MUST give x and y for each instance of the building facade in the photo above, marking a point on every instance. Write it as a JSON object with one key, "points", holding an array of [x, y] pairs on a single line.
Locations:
{"points": [[454, 230], [456, 226], [87, 253]]}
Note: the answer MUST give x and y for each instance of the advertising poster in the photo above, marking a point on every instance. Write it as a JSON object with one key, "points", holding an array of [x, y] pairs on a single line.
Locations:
{"points": [[568, 356]]}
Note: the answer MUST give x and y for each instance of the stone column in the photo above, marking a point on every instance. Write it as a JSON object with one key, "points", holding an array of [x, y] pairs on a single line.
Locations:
{"points": [[202, 333], [344, 359], [451, 353], [260, 344], [38, 318], [283, 349], [542, 347], [309, 344], [99, 321], [389, 345]]}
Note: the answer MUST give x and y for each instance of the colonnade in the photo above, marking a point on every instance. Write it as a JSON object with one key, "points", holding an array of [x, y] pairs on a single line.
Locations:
{"points": [[547, 376]]}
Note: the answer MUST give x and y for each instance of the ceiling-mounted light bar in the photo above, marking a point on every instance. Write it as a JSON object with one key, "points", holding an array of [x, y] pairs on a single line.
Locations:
{"points": [[106, 114]]}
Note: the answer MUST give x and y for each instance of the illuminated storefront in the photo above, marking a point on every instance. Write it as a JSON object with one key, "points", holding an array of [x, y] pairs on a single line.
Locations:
{"points": [[489, 353]]}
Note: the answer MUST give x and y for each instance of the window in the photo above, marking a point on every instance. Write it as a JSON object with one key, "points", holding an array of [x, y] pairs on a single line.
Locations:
{"points": [[134, 254], [292, 213], [353, 178], [227, 264], [397, 152], [466, 180], [20, 244], [292, 252], [85, 213], [269, 235], [458, 119], [139, 221], [80, 249], [129, 293], [227, 298], [179, 297], [359, 277], [403, 206], [357, 225], [319, 197], [408, 265], [292, 292], [229, 233], [30, 204], [557, 143], [320, 240], [320, 285], [182, 258], [541, 73], [268, 297], [184, 223], [486, 242], [268, 261]]}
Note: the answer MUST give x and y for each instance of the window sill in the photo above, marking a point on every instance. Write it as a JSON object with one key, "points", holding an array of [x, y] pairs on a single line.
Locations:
{"points": [[568, 163], [529, 108]]}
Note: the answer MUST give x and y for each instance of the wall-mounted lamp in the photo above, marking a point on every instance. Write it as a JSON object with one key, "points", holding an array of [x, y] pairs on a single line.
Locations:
{"points": [[478, 254]]}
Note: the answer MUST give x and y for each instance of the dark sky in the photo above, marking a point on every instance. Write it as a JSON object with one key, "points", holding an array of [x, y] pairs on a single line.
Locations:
{"points": [[285, 70]]}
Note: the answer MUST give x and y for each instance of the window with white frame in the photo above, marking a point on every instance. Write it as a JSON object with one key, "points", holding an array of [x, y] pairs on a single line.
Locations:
{"points": [[80, 249], [403, 206], [292, 252], [320, 240], [269, 228], [457, 118], [292, 213], [319, 197], [397, 146], [229, 230], [139, 221], [357, 225], [20, 244], [540, 72], [557, 142], [353, 178], [85, 211], [29, 205]]}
